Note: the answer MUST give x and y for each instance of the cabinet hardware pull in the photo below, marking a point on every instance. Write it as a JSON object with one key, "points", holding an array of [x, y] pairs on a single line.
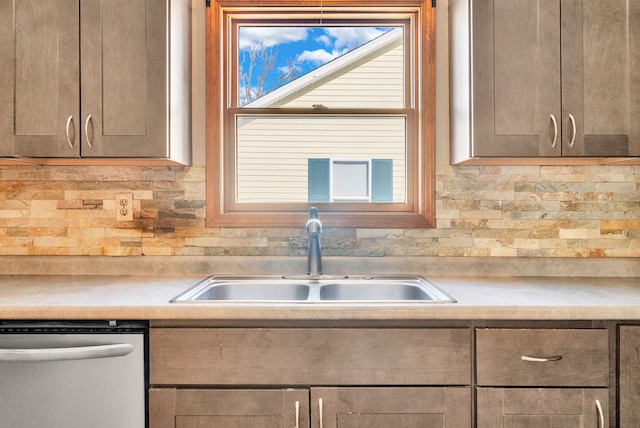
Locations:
{"points": [[600, 414], [555, 131], [541, 360], [573, 127], [297, 414], [69, 142], [86, 130], [320, 409]]}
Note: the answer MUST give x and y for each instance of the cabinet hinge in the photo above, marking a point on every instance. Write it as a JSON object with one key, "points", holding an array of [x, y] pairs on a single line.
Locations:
{"points": [[433, 3], [208, 3]]}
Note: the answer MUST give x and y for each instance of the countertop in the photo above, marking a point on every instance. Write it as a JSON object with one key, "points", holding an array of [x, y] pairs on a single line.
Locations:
{"points": [[147, 297]]}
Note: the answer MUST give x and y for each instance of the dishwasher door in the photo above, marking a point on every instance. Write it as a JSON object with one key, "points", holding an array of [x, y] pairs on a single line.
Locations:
{"points": [[92, 378]]}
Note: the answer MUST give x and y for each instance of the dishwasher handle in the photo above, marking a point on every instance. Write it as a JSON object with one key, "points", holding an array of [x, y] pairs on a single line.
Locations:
{"points": [[63, 354]]}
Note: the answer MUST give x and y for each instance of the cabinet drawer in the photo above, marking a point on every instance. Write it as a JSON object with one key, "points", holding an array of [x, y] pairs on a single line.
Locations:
{"points": [[542, 407], [211, 356], [542, 357]]}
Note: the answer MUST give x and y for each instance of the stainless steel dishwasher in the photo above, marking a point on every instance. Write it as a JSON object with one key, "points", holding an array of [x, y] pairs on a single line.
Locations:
{"points": [[73, 374]]}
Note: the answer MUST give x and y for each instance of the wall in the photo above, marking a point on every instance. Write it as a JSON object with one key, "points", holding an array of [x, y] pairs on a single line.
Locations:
{"points": [[586, 211]]}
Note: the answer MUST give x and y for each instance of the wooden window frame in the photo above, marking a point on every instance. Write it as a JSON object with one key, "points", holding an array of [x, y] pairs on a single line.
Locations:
{"points": [[418, 212]]}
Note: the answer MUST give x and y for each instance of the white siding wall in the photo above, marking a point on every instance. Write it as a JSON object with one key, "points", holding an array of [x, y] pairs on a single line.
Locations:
{"points": [[377, 83], [273, 152]]}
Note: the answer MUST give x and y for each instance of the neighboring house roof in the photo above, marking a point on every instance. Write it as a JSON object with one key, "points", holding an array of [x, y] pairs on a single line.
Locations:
{"points": [[329, 71]]}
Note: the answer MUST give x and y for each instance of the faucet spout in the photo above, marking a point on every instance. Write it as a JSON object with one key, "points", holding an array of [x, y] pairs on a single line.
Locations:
{"points": [[314, 244]]}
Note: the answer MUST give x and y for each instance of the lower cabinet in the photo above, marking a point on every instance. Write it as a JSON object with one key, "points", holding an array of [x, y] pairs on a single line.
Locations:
{"points": [[629, 377], [395, 377], [226, 408], [322, 407], [530, 378], [542, 407], [310, 377]]}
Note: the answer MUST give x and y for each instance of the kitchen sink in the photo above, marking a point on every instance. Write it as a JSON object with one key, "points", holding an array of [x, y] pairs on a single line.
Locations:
{"points": [[314, 289], [229, 289], [373, 290]]}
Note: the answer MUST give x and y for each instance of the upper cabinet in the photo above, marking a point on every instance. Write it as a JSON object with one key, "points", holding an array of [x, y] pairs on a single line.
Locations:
{"points": [[95, 79], [544, 79]]}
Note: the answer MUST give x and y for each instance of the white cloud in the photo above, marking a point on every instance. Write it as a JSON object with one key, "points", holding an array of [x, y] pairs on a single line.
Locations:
{"points": [[341, 40], [270, 36], [351, 37], [324, 39], [318, 56]]}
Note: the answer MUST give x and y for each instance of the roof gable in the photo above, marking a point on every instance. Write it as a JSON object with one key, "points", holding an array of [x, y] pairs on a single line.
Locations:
{"points": [[329, 71]]}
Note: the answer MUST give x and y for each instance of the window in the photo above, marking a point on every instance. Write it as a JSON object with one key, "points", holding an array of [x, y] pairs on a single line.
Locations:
{"points": [[326, 105], [350, 180]]}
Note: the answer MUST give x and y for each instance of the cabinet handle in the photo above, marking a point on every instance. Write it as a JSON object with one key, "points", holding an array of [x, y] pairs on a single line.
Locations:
{"points": [[320, 410], [600, 414], [297, 414], [555, 131], [86, 130], [573, 127], [69, 142], [541, 359]]}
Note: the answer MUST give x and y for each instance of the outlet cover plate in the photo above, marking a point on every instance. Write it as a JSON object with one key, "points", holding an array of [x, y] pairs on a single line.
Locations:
{"points": [[124, 207]]}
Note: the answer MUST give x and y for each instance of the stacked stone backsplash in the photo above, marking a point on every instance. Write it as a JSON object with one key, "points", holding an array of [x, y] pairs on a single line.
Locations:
{"points": [[530, 211]]}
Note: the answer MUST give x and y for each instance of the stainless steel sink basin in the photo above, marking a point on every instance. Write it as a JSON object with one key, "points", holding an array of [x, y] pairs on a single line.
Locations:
{"points": [[315, 289], [390, 290], [245, 289]]}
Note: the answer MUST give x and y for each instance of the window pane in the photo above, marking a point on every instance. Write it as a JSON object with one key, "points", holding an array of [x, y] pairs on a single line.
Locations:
{"points": [[351, 180], [330, 66], [273, 152]]}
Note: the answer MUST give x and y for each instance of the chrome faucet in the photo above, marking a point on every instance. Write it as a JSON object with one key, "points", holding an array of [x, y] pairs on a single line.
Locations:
{"points": [[314, 245]]}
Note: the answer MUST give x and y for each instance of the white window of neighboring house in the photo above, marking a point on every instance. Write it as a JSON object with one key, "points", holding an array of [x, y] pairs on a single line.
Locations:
{"points": [[350, 180], [331, 105]]}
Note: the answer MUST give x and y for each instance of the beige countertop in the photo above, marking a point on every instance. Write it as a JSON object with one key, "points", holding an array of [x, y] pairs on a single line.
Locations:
{"points": [[479, 298]]}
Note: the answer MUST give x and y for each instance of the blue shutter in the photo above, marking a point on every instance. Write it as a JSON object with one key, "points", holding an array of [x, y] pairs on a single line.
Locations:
{"points": [[382, 180], [318, 171]]}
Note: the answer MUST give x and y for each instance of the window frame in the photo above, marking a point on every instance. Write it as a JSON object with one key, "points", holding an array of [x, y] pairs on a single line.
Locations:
{"points": [[419, 211]]}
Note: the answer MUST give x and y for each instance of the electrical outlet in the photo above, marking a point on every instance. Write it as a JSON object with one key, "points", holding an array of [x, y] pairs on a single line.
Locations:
{"points": [[124, 207]]}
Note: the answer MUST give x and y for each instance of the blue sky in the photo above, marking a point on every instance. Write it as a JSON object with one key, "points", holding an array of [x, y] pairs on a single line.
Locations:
{"points": [[300, 49]]}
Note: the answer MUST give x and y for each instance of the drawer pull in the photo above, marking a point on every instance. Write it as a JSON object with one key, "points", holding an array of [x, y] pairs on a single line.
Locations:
{"points": [[541, 360], [320, 410], [297, 414], [600, 414]]}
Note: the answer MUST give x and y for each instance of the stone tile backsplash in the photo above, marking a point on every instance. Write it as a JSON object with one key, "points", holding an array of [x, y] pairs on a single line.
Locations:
{"points": [[501, 211]]}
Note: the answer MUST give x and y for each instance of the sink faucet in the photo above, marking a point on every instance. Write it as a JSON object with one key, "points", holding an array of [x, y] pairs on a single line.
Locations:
{"points": [[314, 246]]}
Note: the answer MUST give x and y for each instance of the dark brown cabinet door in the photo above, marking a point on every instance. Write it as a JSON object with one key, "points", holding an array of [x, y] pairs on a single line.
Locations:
{"points": [[516, 78], [542, 407], [378, 407], [232, 408], [600, 78], [629, 379], [39, 78], [124, 86]]}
